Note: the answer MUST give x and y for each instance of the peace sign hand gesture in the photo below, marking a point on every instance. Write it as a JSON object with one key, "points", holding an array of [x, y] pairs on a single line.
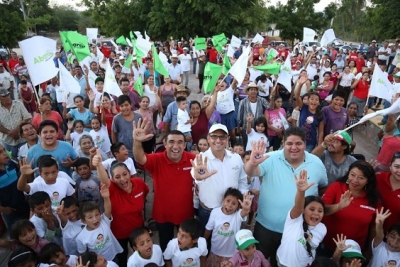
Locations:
{"points": [[200, 169], [301, 182], [26, 168], [382, 216], [341, 243]]}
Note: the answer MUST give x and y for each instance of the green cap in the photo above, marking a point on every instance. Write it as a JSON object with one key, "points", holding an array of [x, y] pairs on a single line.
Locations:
{"points": [[397, 75], [344, 136], [99, 79]]}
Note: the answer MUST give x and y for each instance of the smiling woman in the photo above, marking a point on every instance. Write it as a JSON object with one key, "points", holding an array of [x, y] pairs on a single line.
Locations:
{"points": [[47, 114]]}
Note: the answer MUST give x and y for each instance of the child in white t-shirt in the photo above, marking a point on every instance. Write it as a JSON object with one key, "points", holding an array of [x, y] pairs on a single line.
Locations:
{"points": [[120, 153], [97, 236], [90, 258], [257, 132], [54, 255], [74, 137], [224, 223], [348, 252], [145, 251], [254, 187], [303, 231], [188, 249], [184, 120], [100, 136], [266, 86], [385, 253]]}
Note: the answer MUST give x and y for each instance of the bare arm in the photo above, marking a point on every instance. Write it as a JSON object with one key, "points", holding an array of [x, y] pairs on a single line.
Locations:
{"points": [[114, 137], [101, 172], [211, 107], [390, 124]]}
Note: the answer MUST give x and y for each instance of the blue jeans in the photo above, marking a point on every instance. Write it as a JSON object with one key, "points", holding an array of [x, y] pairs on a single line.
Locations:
{"points": [[14, 149], [194, 65], [203, 216], [310, 148], [386, 105], [391, 68]]}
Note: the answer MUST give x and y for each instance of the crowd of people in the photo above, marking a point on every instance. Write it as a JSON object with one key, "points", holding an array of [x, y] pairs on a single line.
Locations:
{"points": [[255, 175]]}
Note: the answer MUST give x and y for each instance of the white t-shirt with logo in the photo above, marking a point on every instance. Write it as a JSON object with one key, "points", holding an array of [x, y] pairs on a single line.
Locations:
{"points": [[100, 240], [225, 102], [69, 234], [41, 229], [382, 257], [292, 251], [185, 258], [135, 260], [224, 228], [396, 59], [101, 139], [266, 86], [254, 136]]}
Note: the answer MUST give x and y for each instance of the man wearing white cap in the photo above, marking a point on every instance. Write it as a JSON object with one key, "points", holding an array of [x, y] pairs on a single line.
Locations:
{"points": [[215, 170], [384, 53], [185, 64], [175, 70]]}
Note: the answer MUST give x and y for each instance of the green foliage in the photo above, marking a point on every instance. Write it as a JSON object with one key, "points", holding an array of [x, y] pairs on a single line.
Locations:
{"points": [[383, 19], [65, 19], [12, 26]]}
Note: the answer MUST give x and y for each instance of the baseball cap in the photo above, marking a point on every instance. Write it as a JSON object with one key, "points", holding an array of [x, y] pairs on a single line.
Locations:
{"points": [[344, 136], [373, 41], [4, 92], [354, 251], [121, 57], [397, 75], [218, 126], [99, 79], [185, 48], [244, 238]]}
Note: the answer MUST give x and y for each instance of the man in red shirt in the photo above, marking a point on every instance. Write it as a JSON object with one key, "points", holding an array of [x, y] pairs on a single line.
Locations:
{"points": [[212, 55], [170, 170], [360, 62], [283, 52]]}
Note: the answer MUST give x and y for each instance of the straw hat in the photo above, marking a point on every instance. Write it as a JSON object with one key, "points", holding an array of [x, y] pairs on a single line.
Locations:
{"points": [[182, 88], [251, 85]]}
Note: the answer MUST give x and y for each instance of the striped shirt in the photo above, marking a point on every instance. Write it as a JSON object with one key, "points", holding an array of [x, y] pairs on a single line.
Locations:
{"points": [[20, 69]]}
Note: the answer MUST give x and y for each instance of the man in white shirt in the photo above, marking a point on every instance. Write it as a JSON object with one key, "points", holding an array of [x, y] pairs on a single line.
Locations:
{"points": [[175, 70], [222, 170], [339, 63], [6, 80], [396, 59], [185, 65], [384, 53]]}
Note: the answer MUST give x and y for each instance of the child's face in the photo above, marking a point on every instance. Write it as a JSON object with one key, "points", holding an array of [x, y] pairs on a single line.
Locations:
{"points": [[49, 174], [278, 103], [185, 240], [84, 171], [78, 102], [305, 100], [248, 252], [122, 154], [59, 259], [4, 159], [101, 261], [239, 150], [42, 209], [144, 245], [23, 85], [393, 241], [95, 124], [313, 213], [183, 105], [49, 135], [28, 238], [313, 102], [260, 128], [230, 205], [78, 128], [337, 103], [71, 213], [203, 145], [246, 158], [125, 108], [92, 219]]}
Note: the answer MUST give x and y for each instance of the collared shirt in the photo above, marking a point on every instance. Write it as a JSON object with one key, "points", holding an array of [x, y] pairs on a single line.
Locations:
{"points": [[10, 119], [175, 71], [171, 115], [5, 79], [245, 108], [278, 188], [258, 260], [20, 69], [82, 83], [23, 150], [230, 174]]}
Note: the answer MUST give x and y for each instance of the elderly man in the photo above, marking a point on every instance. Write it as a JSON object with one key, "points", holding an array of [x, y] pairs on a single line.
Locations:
{"points": [[175, 70], [6, 79], [278, 189], [12, 113]]}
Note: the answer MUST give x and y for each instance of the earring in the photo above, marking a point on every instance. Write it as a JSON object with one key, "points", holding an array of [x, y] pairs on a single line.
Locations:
{"points": [[347, 181]]}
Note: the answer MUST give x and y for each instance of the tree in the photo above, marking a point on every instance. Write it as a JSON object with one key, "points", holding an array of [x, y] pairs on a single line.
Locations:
{"points": [[65, 18], [383, 19], [12, 26], [291, 18]]}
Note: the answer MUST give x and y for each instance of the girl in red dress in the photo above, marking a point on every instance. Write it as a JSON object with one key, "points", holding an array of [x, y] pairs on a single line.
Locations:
{"points": [[27, 97]]}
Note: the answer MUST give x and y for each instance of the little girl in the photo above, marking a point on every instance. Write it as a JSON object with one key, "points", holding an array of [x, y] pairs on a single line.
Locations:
{"points": [[275, 125], [76, 134], [54, 254], [145, 251], [27, 96], [311, 118], [100, 136], [224, 223], [257, 132], [26, 235], [303, 231], [294, 119], [22, 257]]}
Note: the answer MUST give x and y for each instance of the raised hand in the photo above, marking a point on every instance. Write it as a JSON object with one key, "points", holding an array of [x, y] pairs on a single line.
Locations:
{"points": [[68, 161], [91, 95], [354, 263], [70, 125], [257, 152], [26, 168], [382, 216], [200, 169], [341, 243], [345, 199], [97, 159], [139, 131], [104, 191], [249, 117], [246, 203], [301, 182], [79, 262]]}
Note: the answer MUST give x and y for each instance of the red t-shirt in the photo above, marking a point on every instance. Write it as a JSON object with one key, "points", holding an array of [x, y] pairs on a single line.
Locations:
{"points": [[353, 56], [353, 221], [200, 128], [127, 208], [173, 196], [390, 198], [334, 78], [12, 62], [361, 90], [390, 145], [212, 55], [359, 64], [108, 117], [180, 50], [283, 53]]}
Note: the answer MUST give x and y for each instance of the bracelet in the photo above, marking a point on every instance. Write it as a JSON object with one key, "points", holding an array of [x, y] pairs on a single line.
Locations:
{"points": [[324, 145]]}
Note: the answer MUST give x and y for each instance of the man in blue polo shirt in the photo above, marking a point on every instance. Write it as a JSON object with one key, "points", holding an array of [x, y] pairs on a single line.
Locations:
{"points": [[278, 188]]}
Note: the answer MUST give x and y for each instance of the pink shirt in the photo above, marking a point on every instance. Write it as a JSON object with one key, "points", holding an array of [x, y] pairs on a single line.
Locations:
{"points": [[275, 120], [238, 260], [54, 116]]}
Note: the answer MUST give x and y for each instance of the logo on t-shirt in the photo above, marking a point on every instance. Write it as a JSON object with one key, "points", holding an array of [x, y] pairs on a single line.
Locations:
{"points": [[224, 230], [188, 263], [391, 263], [101, 242]]}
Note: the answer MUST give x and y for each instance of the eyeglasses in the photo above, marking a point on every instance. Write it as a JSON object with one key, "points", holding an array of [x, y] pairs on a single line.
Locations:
{"points": [[220, 137]]}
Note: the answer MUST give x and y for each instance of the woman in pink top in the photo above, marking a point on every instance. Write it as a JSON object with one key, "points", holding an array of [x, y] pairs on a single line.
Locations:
{"points": [[274, 121], [45, 113], [166, 93], [326, 86]]}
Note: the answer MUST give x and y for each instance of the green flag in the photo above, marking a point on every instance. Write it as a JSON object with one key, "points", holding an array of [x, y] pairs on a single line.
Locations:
{"points": [[65, 44], [211, 75], [79, 45], [219, 40], [272, 53], [139, 86], [200, 43], [128, 61], [272, 68], [121, 40], [226, 65], [158, 65]]}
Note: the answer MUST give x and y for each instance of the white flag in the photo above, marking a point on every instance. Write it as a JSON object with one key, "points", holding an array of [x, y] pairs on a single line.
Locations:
{"points": [[308, 34], [163, 59], [380, 85], [67, 81], [285, 75], [99, 54], [38, 53], [129, 42], [110, 83], [393, 109], [143, 45], [328, 37], [235, 42], [146, 36], [231, 51], [239, 69], [91, 33], [114, 44], [258, 39], [138, 34]]}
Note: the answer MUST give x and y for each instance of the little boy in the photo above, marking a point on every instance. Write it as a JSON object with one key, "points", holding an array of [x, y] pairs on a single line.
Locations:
{"points": [[188, 249], [120, 153], [87, 185], [46, 224], [97, 236], [70, 224], [184, 121], [385, 252], [239, 149], [48, 169], [336, 116], [247, 255]]}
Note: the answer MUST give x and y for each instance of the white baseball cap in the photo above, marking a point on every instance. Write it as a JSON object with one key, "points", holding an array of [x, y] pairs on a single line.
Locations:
{"points": [[244, 238], [218, 126], [354, 251]]}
